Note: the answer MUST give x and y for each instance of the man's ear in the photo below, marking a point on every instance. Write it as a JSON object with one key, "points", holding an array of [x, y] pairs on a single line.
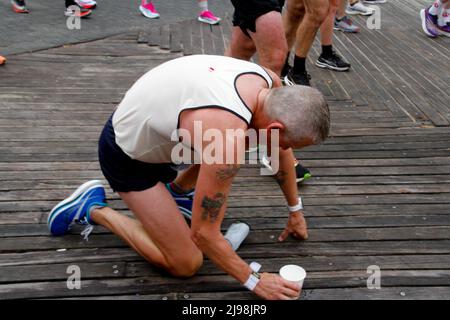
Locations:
{"points": [[275, 125]]}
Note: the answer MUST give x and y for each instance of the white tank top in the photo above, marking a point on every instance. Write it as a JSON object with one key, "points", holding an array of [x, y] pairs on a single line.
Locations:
{"points": [[149, 113]]}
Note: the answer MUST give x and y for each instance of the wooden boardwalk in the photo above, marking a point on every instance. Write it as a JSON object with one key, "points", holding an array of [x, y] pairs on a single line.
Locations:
{"points": [[380, 193]]}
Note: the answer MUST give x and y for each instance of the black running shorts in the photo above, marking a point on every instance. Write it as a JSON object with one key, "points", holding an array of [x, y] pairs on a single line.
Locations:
{"points": [[125, 174], [247, 11]]}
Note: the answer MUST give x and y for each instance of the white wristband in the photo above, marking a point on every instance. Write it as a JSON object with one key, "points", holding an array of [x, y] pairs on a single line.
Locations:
{"points": [[253, 279], [255, 266], [252, 282], [297, 207]]}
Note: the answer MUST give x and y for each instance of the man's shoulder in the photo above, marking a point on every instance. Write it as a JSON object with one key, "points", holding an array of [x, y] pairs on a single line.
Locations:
{"points": [[215, 117]]}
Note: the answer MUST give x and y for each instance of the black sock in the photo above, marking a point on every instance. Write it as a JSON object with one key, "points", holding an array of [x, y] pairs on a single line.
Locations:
{"points": [[286, 62], [286, 67], [299, 65], [327, 50]]}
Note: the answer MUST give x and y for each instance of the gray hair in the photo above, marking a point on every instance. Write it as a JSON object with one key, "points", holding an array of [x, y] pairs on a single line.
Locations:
{"points": [[302, 110]]}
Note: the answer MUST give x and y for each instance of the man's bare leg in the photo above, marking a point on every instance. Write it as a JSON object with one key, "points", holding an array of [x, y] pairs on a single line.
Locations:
{"points": [[304, 18], [329, 58], [326, 29], [315, 13], [340, 12], [187, 179], [160, 234], [293, 15], [270, 41], [271, 49], [241, 46]]}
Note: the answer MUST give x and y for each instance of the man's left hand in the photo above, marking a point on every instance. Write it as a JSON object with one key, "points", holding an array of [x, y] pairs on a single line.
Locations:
{"points": [[296, 226]]}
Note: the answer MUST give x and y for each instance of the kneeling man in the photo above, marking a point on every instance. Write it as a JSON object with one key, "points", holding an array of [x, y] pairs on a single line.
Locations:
{"points": [[136, 157]]}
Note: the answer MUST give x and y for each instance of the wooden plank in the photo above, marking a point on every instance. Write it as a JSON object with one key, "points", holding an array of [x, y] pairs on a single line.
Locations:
{"points": [[165, 37], [143, 36], [154, 38], [318, 263], [70, 255], [59, 271], [265, 184], [197, 41], [186, 37], [394, 293], [268, 250], [207, 37], [175, 37], [263, 232], [337, 203]]}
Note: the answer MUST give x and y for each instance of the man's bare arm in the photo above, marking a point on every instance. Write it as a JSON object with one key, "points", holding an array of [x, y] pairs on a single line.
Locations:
{"points": [[212, 190]]}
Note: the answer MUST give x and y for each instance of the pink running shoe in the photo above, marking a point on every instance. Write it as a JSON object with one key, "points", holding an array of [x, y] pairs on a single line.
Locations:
{"points": [[148, 10], [208, 17]]}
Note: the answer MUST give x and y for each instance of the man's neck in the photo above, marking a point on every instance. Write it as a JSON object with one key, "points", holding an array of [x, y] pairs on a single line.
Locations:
{"points": [[259, 116]]}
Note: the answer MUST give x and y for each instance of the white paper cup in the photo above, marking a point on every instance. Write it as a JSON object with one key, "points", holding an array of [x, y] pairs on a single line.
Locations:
{"points": [[294, 273]]}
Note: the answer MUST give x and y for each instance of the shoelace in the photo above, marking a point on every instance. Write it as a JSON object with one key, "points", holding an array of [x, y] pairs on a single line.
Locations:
{"points": [[87, 231], [335, 57]]}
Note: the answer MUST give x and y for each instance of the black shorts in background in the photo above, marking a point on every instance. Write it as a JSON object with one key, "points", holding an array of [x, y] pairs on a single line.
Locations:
{"points": [[125, 174], [247, 11]]}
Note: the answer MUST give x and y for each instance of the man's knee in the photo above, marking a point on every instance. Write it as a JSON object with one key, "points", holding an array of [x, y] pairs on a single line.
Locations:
{"points": [[241, 46], [295, 10], [317, 11], [277, 57], [186, 267]]}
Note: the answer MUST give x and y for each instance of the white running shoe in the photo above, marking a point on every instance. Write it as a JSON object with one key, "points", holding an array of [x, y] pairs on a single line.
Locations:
{"points": [[359, 8], [375, 1]]}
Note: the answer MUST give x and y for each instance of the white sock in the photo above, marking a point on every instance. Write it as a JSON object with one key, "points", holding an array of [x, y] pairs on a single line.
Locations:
{"points": [[435, 8], [203, 5]]}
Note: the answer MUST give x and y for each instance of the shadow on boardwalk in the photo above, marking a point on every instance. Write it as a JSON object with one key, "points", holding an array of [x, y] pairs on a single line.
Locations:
{"points": [[379, 196]]}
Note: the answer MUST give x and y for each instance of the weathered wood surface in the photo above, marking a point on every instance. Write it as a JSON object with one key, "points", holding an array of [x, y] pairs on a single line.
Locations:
{"points": [[380, 194]]}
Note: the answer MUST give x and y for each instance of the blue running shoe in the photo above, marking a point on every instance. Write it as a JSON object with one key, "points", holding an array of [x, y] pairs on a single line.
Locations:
{"points": [[183, 200], [76, 208]]}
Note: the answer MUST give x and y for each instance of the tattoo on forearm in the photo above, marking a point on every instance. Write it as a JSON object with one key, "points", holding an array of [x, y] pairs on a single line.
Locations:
{"points": [[229, 172], [281, 177], [211, 206]]}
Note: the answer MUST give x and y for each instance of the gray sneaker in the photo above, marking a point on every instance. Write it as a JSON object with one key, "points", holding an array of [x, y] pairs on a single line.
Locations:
{"points": [[346, 25], [359, 8], [375, 1]]}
